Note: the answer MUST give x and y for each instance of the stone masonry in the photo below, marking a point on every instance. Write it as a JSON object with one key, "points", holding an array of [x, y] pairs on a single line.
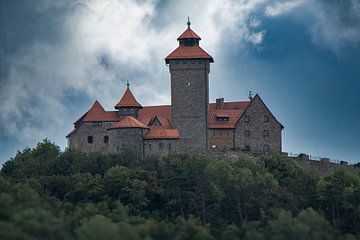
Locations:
{"points": [[190, 100]]}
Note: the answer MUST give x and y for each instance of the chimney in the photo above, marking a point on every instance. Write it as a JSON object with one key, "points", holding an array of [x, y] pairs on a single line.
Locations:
{"points": [[219, 103]]}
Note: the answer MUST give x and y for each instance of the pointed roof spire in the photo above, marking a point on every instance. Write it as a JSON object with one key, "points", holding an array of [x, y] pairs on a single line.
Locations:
{"points": [[189, 33], [128, 99], [127, 84]]}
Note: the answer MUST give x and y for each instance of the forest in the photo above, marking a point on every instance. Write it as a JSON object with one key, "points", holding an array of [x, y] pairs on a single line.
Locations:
{"points": [[46, 193]]}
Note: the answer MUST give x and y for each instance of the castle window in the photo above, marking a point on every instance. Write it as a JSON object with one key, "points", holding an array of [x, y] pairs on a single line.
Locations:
{"points": [[90, 139], [161, 146], [99, 123], [266, 148], [247, 148], [247, 118], [169, 146], [106, 139], [247, 133], [266, 118], [222, 117], [213, 133], [155, 122], [265, 133], [150, 147]]}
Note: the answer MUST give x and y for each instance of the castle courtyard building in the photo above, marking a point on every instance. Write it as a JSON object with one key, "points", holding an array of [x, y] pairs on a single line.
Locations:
{"points": [[189, 124]]}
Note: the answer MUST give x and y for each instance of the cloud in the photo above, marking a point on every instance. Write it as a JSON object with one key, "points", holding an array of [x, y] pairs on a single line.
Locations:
{"points": [[332, 24], [336, 24], [281, 8]]}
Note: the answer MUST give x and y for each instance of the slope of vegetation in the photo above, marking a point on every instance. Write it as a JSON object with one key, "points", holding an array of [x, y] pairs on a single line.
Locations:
{"points": [[49, 194]]}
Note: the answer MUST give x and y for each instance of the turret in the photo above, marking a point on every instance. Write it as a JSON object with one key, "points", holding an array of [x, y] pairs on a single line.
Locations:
{"points": [[128, 106]]}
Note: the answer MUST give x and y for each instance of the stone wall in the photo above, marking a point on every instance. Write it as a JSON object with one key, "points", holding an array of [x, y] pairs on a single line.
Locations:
{"points": [[320, 167], [95, 130], [251, 126], [161, 147], [126, 137], [221, 138], [190, 100]]}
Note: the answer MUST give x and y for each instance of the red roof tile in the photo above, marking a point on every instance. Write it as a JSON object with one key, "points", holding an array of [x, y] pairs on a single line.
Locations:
{"points": [[98, 113], [163, 113], [233, 117], [188, 33], [127, 100], [188, 52], [128, 122], [160, 133], [241, 105]]}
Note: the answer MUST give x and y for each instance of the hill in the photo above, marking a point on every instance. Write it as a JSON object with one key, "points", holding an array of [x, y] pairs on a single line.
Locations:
{"points": [[50, 194]]}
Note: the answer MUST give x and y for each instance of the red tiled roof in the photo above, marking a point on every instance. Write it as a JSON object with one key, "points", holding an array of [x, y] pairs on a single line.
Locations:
{"points": [[128, 122], [160, 133], [163, 113], [232, 105], [98, 113], [188, 33], [233, 117], [188, 52], [232, 110], [127, 100]]}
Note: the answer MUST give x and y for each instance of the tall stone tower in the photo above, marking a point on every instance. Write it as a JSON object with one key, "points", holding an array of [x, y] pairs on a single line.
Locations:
{"points": [[189, 67]]}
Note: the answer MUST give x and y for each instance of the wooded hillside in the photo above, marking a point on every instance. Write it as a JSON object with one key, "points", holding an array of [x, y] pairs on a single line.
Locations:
{"points": [[49, 194]]}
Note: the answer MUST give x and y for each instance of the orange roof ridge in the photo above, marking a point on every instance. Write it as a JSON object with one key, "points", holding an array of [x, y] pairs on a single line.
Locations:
{"points": [[161, 133], [189, 33], [127, 100], [189, 52], [129, 122]]}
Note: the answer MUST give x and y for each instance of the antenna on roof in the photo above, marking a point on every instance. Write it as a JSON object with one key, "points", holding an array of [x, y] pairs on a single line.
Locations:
{"points": [[188, 22], [251, 95], [127, 83]]}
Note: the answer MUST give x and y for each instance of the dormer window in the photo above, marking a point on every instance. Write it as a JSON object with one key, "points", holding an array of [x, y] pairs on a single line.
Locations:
{"points": [[222, 117], [155, 122]]}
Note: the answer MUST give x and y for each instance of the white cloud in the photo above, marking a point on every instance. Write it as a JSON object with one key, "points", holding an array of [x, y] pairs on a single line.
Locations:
{"points": [[281, 8]]}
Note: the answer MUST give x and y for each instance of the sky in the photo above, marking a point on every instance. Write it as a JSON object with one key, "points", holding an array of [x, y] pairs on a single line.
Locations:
{"points": [[301, 56]]}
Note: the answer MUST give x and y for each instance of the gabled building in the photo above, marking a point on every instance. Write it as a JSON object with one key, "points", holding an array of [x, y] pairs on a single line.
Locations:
{"points": [[189, 124]]}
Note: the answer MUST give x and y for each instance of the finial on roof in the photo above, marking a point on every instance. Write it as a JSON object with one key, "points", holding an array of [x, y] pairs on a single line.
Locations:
{"points": [[127, 83], [188, 23]]}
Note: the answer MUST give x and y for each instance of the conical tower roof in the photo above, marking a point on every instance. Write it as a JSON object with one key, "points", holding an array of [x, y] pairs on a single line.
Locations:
{"points": [[128, 100], [188, 47]]}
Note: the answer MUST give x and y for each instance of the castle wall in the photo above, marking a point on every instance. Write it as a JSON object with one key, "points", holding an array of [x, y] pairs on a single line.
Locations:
{"points": [[251, 133], [126, 137], [189, 100], [95, 130], [221, 139], [161, 147]]}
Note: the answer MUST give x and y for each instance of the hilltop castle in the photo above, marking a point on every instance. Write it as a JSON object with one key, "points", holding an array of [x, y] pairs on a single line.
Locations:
{"points": [[189, 124]]}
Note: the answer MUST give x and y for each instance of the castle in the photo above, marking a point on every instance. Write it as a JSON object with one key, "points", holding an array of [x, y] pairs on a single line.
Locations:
{"points": [[189, 124]]}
